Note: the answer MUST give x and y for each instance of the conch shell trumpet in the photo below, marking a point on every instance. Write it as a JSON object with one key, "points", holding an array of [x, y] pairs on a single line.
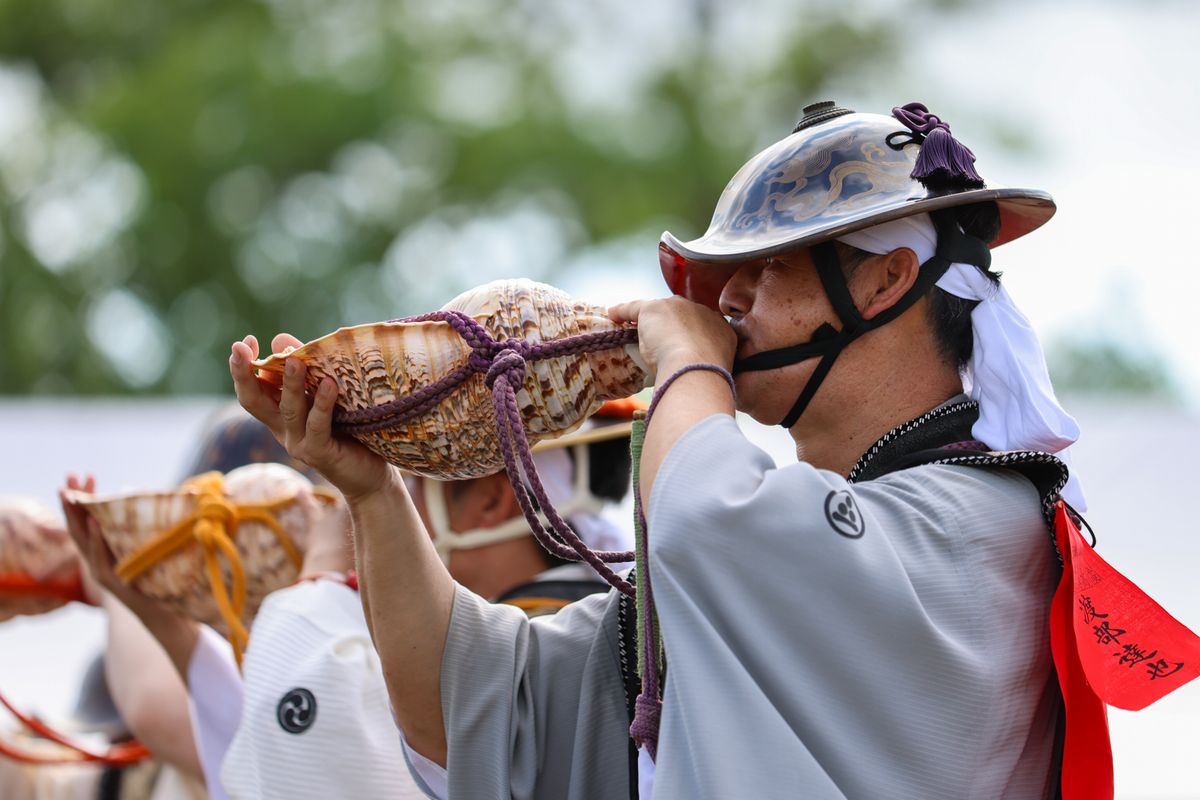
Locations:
{"points": [[379, 367], [246, 530], [39, 570]]}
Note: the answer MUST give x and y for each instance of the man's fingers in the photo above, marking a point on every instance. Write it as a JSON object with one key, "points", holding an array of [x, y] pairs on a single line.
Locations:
{"points": [[320, 419], [67, 505], [626, 312], [283, 341], [76, 519], [254, 395], [293, 404], [251, 342]]}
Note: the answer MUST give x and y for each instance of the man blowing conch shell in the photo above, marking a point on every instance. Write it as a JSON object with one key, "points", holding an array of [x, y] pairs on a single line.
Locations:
{"points": [[858, 624]]}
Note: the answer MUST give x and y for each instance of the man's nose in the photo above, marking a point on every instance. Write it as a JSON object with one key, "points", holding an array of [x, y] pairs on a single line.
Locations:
{"points": [[737, 297]]}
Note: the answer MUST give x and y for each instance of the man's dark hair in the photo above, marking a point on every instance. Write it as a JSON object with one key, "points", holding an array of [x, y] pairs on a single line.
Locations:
{"points": [[948, 315]]}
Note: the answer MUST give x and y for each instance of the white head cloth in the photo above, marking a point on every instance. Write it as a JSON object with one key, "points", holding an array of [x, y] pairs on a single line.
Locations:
{"points": [[1007, 375]]}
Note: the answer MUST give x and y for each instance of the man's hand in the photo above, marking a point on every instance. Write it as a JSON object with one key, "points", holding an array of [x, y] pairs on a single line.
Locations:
{"points": [[96, 559], [674, 331], [303, 424], [175, 633]]}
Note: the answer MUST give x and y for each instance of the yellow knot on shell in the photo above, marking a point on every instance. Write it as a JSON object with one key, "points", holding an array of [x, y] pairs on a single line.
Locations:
{"points": [[212, 526]]}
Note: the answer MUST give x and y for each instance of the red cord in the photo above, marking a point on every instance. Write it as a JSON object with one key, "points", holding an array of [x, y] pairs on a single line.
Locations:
{"points": [[66, 589], [117, 755]]}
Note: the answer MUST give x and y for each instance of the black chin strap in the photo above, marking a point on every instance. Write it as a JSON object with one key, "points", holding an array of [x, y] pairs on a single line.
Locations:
{"points": [[828, 342]]}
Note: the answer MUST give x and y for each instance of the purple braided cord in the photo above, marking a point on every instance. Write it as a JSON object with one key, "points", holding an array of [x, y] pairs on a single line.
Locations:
{"points": [[648, 706], [484, 351], [503, 363], [424, 400], [511, 431]]}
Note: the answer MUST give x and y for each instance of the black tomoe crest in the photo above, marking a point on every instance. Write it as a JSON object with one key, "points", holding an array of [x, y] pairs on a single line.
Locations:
{"points": [[297, 711]]}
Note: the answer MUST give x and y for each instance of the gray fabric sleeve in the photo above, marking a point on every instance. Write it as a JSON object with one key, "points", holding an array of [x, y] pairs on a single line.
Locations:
{"points": [[534, 708], [885, 639]]}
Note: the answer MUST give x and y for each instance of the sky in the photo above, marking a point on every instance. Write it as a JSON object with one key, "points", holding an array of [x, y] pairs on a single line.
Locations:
{"points": [[1108, 93]]}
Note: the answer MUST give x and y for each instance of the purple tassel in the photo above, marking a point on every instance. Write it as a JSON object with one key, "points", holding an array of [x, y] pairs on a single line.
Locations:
{"points": [[646, 719], [942, 159]]}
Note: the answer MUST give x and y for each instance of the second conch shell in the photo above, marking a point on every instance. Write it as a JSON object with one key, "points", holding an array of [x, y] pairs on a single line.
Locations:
{"points": [[180, 579], [39, 570], [383, 362]]}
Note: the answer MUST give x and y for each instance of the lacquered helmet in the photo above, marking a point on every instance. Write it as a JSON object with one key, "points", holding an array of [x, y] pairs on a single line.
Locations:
{"points": [[839, 172]]}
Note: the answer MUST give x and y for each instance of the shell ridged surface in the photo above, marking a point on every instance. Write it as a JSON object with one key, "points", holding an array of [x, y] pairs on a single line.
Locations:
{"points": [[33, 544], [180, 580], [383, 362]]}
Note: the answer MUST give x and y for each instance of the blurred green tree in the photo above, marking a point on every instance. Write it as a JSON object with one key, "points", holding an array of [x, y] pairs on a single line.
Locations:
{"points": [[173, 176], [1099, 367]]}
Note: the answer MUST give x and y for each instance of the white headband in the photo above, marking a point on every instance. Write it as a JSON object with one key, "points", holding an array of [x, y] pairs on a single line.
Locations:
{"points": [[1007, 375]]}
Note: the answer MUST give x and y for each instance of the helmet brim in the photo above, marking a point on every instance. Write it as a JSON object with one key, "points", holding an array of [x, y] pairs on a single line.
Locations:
{"points": [[699, 269]]}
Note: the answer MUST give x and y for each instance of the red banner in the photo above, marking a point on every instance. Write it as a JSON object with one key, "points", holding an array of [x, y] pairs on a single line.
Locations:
{"points": [[1112, 645]]}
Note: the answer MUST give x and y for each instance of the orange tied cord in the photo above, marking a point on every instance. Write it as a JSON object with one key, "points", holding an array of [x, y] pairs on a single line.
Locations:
{"points": [[212, 525], [22, 585], [117, 755]]}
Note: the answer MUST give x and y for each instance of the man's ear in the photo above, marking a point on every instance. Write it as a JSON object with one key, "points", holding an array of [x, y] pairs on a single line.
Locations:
{"points": [[881, 281], [492, 501]]}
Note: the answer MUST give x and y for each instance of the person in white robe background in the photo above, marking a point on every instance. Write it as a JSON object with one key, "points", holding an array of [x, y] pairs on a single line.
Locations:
{"points": [[309, 716]]}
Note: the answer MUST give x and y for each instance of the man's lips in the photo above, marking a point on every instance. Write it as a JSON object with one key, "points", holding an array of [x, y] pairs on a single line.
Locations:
{"points": [[745, 345]]}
